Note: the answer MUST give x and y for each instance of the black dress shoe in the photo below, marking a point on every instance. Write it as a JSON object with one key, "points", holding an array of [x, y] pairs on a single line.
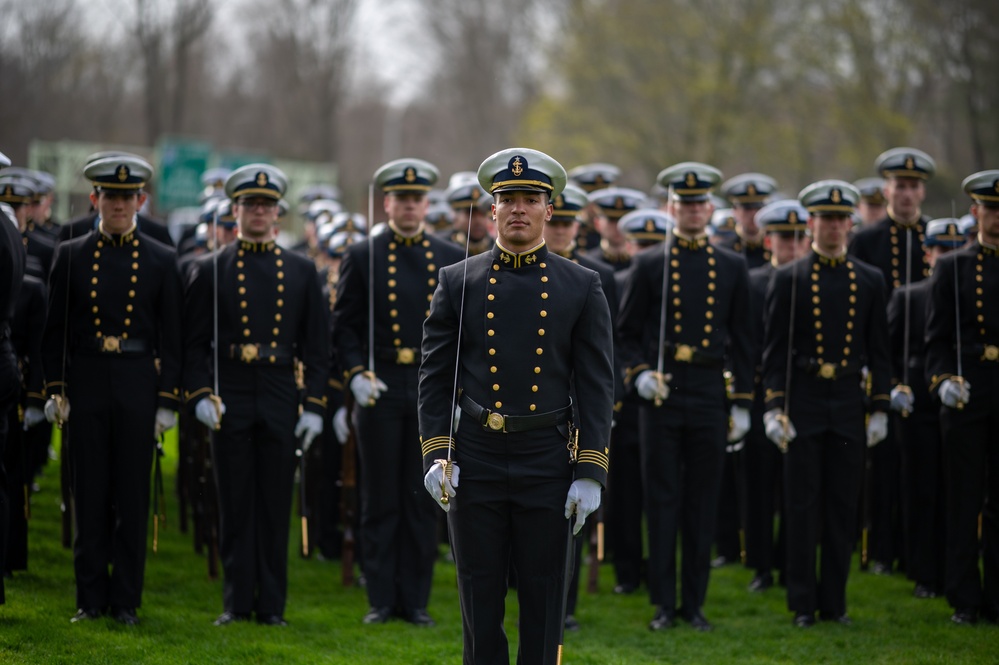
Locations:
{"points": [[571, 623], [924, 591], [841, 619], [804, 619], [125, 616], [697, 621], [625, 588], [880, 568], [377, 615], [271, 620], [662, 620], [419, 617], [86, 615], [965, 617], [761, 582], [720, 561], [227, 617]]}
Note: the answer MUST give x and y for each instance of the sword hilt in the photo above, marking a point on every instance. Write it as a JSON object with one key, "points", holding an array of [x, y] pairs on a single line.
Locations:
{"points": [[448, 467], [785, 424], [217, 403]]}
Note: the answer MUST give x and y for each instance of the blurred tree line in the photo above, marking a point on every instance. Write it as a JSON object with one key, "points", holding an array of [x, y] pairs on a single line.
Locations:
{"points": [[798, 90]]}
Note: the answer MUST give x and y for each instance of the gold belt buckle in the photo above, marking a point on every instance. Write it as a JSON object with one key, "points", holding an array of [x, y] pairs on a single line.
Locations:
{"points": [[991, 352], [827, 371], [404, 356], [684, 353], [496, 421], [249, 352], [111, 344]]}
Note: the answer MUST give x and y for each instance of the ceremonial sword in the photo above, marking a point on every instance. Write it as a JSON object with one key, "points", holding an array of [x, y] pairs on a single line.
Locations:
{"points": [[784, 418]]}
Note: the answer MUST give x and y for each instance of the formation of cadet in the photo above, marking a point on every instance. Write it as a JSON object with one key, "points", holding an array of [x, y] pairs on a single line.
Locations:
{"points": [[703, 368]]}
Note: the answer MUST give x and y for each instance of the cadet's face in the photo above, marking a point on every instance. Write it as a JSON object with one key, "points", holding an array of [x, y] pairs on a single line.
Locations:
{"points": [[746, 219], [905, 196], [787, 247], [988, 222], [692, 216], [871, 212], [478, 226], [829, 232], [256, 217], [406, 210], [560, 234], [520, 218], [117, 209], [608, 230]]}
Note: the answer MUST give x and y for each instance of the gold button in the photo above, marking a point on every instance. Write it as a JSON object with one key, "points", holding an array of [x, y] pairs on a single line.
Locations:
{"points": [[537, 370], [849, 338], [677, 328], [499, 405], [494, 369], [819, 349], [495, 266], [93, 280], [393, 313], [677, 315], [242, 290], [491, 297], [391, 270], [712, 274], [492, 280], [711, 287], [707, 328], [96, 267], [817, 312], [489, 315], [534, 407], [544, 314], [279, 263], [429, 255], [853, 275], [711, 261], [134, 279], [245, 319], [432, 281], [815, 276], [492, 352], [97, 254], [674, 263], [676, 275], [95, 309], [815, 288], [135, 266], [240, 253], [543, 264], [242, 304], [544, 296], [239, 264], [541, 332], [676, 302], [280, 302], [430, 298], [709, 315], [849, 325], [241, 277], [676, 288], [818, 325], [490, 332], [534, 389], [131, 293], [846, 351], [539, 351], [816, 300], [705, 343], [128, 322], [277, 317], [431, 267], [853, 299], [246, 332], [128, 308], [544, 278], [815, 266], [852, 312], [395, 327], [391, 258], [93, 294], [818, 337], [280, 288], [280, 274], [495, 386], [97, 322], [391, 297]]}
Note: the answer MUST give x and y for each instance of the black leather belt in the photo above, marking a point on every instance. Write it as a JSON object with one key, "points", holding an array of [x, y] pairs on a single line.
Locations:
{"points": [[828, 371], [497, 422], [400, 355], [114, 345], [253, 353], [685, 353]]}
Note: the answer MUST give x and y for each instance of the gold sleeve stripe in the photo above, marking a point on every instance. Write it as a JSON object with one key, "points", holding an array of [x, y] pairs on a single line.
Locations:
{"points": [[632, 371], [317, 400], [882, 397], [436, 443], [742, 395], [349, 374], [336, 385], [937, 380], [594, 457], [38, 395], [168, 395], [189, 396], [53, 384]]}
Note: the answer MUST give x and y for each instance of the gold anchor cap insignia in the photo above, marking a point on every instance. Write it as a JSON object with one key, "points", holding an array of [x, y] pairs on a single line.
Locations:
{"points": [[262, 179], [792, 217], [517, 166], [910, 163], [650, 225], [559, 201], [619, 203], [751, 190], [835, 196], [691, 179], [123, 173], [410, 174]]}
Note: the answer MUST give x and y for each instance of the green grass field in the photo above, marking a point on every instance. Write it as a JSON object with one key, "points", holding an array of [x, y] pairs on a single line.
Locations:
{"points": [[180, 603]]}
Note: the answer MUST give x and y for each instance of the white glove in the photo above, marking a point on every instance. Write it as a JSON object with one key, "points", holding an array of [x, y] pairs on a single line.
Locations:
{"points": [[583, 499], [165, 419], [648, 385], [436, 483], [902, 399], [340, 426], [206, 413], [57, 410], [456, 419], [32, 416], [954, 392], [774, 428], [366, 388], [310, 425], [740, 424], [877, 428]]}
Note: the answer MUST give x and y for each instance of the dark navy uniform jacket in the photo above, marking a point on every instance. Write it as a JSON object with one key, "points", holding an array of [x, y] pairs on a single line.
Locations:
{"points": [[882, 245], [536, 328], [840, 326], [708, 314]]}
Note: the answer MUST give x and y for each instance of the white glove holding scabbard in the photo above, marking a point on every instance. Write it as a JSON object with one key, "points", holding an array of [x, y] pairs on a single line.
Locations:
{"points": [[366, 388], [437, 483], [310, 425], [648, 385], [954, 392], [165, 419], [773, 425], [583, 499], [205, 412]]}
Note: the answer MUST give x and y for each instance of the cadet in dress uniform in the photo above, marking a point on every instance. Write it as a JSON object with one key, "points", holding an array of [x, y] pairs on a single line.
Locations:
{"points": [[611, 204], [111, 350], [872, 206], [786, 237], [472, 223], [17, 189], [683, 422], [12, 260], [41, 205], [399, 543], [916, 421], [748, 192], [625, 502], [270, 314], [839, 326], [962, 366], [722, 228], [534, 330], [591, 177], [894, 246]]}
